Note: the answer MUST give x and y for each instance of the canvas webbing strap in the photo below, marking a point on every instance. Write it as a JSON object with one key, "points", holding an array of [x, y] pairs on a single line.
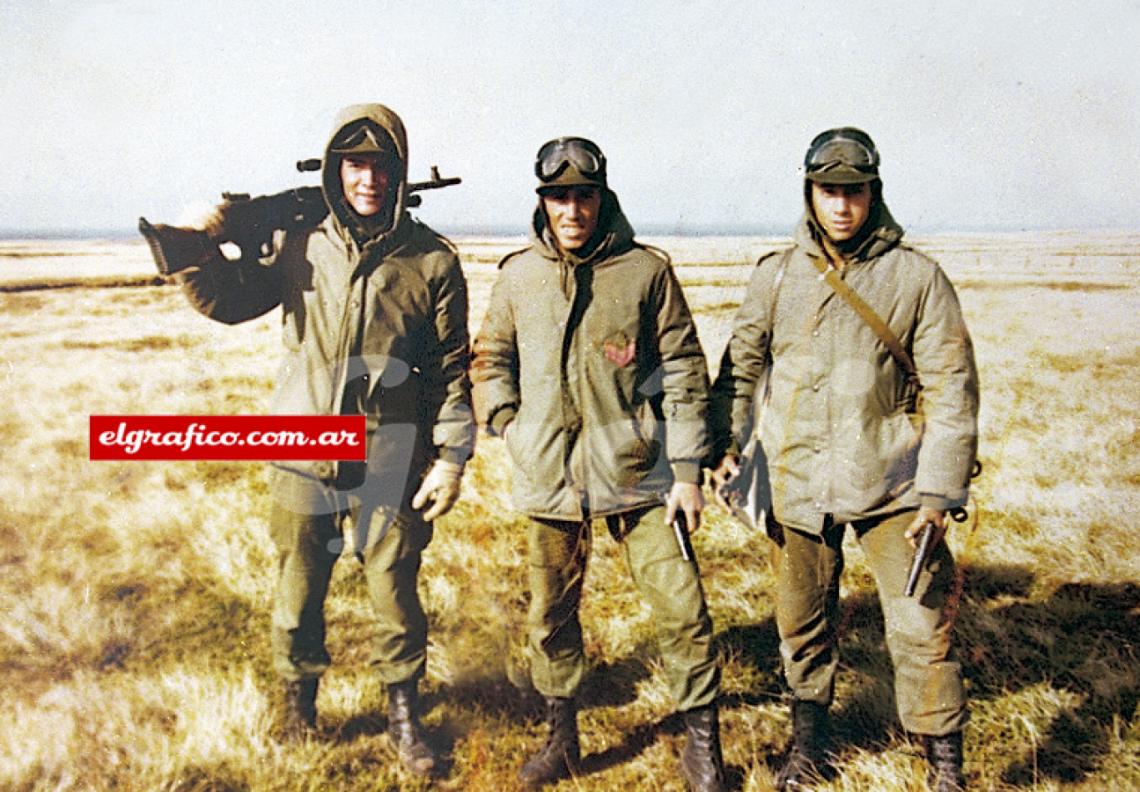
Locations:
{"points": [[868, 315]]}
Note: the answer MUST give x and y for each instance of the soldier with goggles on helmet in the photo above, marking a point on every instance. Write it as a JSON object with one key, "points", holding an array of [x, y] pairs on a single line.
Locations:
{"points": [[849, 444], [589, 366]]}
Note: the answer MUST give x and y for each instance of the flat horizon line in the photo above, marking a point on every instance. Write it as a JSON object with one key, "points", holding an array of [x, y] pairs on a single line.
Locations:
{"points": [[649, 229]]}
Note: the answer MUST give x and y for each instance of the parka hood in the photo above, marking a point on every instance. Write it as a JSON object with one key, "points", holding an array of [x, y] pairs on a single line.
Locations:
{"points": [[378, 227], [878, 235]]}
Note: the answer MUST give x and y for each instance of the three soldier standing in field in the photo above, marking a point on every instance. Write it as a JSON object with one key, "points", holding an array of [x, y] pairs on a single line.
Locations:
{"points": [[589, 367]]}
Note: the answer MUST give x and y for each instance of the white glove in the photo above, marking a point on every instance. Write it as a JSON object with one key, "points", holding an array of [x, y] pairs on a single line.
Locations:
{"points": [[204, 217], [441, 487]]}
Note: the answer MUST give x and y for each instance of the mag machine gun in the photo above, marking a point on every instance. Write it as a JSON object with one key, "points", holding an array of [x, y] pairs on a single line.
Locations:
{"points": [[175, 248]]}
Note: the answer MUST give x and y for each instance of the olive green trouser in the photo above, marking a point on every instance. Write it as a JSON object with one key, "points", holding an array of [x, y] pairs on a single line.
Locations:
{"points": [[306, 528], [558, 552], [928, 679]]}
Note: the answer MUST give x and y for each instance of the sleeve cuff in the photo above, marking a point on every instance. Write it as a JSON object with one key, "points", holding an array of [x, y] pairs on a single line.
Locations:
{"points": [[936, 502], [687, 471], [719, 452], [456, 456], [502, 417]]}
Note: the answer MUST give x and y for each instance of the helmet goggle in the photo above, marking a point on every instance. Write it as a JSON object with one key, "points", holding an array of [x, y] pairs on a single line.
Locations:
{"points": [[846, 149], [557, 155]]}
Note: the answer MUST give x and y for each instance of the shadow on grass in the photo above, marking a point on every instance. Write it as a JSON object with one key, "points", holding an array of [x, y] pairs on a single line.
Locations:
{"points": [[364, 726], [641, 737], [1081, 638], [605, 685], [635, 742], [1016, 631]]}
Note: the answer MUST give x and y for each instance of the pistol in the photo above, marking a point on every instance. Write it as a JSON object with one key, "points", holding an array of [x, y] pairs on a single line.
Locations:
{"points": [[682, 534], [921, 556]]}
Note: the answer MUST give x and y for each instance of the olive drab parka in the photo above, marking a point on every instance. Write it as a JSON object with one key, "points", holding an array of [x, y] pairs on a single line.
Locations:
{"points": [[836, 429], [374, 321], [593, 367]]}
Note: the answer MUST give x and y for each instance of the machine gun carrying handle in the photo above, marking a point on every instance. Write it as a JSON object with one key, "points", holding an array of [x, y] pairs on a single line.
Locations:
{"points": [[264, 242]]}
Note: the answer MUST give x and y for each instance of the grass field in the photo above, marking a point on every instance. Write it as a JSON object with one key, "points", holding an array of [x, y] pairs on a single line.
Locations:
{"points": [[135, 596]]}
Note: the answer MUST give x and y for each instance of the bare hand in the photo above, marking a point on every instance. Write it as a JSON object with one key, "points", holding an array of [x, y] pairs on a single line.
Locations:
{"points": [[722, 476], [441, 487], [924, 516], [687, 499]]}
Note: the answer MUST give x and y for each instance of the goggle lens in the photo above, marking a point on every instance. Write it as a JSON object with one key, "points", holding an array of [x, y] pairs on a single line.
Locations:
{"points": [[843, 151], [556, 155]]}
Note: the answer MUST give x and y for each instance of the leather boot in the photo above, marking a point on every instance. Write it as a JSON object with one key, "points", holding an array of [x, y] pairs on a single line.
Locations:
{"points": [[299, 709], [405, 730], [944, 753], [561, 755], [807, 760], [702, 762]]}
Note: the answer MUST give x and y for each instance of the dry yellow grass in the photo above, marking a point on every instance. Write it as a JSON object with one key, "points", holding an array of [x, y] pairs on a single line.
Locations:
{"points": [[133, 650]]}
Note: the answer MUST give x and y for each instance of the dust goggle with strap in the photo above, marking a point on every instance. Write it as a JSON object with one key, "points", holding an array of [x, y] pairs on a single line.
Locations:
{"points": [[847, 153], [557, 155]]}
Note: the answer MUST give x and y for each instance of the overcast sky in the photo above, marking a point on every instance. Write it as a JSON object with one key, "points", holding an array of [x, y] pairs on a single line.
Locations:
{"points": [[1017, 115]]}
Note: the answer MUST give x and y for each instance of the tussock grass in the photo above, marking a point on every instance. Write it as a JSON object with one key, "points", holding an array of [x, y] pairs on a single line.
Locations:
{"points": [[1074, 286], [108, 282], [133, 648]]}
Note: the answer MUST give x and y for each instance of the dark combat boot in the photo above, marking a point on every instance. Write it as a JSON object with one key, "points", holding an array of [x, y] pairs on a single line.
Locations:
{"points": [[561, 755], [405, 730], [299, 709], [701, 761], [945, 756], [807, 760]]}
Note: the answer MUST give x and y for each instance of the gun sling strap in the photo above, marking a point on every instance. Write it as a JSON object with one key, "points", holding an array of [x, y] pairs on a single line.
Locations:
{"points": [[868, 315]]}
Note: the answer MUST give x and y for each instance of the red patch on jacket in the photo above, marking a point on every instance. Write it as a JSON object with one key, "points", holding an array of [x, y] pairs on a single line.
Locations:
{"points": [[620, 355]]}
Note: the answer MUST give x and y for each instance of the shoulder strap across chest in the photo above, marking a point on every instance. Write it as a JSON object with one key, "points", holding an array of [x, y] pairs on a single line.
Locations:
{"points": [[868, 315]]}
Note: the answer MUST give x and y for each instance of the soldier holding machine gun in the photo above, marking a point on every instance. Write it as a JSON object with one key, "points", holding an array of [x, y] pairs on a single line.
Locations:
{"points": [[849, 328], [375, 323]]}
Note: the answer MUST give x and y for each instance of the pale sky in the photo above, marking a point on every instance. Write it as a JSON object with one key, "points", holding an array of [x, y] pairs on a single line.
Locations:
{"points": [[1015, 115]]}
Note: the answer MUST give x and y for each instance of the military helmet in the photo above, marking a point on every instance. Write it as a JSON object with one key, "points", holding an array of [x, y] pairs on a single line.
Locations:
{"points": [[569, 161], [844, 155]]}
